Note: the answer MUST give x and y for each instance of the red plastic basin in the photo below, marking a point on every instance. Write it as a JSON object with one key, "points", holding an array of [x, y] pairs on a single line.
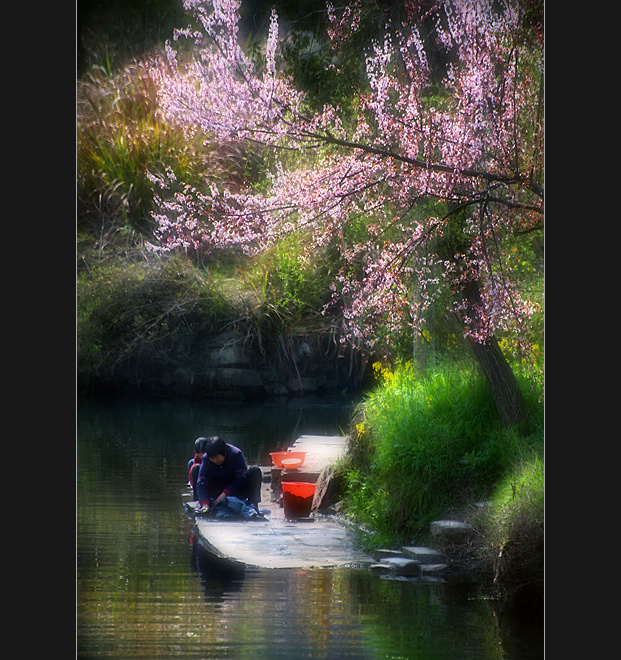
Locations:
{"points": [[277, 456], [297, 498]]}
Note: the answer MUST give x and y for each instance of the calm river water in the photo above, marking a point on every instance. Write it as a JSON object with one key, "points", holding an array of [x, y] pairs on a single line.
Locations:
{"points": [[142, 592]]}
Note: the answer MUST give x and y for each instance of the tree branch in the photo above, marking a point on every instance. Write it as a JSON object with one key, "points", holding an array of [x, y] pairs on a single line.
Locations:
{"points": [[434, 167], [537, 227]]}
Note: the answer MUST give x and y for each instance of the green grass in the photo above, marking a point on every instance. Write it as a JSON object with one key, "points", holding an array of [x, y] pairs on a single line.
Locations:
{"points": [[146, 312], [427, 443], [512, 530]]}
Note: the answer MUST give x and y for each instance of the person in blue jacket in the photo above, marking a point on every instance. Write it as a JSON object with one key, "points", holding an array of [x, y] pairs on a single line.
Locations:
{"points": [[224, 472]]}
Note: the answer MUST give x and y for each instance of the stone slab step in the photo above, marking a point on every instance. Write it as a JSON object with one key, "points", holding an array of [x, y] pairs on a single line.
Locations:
{"points": [[277, 542], [450, 531], [384, 553], [432, 569], [424, 555], [396, 566], [281, 544]]}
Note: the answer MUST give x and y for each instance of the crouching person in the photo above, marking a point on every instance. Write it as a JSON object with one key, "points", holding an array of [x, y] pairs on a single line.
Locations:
{"points": [[224, 472], [194, 465]]}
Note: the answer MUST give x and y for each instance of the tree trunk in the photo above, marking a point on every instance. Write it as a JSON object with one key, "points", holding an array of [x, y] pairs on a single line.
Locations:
{"points": [[506, 391]]}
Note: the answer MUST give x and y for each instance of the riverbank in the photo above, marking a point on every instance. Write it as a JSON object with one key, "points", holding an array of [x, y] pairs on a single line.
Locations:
{"points": [[465, 552], [428, 446], [422, 442], [165, 327]]}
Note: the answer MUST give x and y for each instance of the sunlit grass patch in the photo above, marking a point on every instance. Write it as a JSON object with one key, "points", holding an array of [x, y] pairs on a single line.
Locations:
{"points": [[424, 443]]}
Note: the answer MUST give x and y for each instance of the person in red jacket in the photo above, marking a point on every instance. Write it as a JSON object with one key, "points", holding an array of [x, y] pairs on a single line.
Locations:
{"points": [[224, 472], [200, 447]]}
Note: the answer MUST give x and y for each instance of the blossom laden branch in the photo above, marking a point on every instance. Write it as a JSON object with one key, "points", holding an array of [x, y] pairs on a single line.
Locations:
{"points": [[470, 143], [435, 167]]}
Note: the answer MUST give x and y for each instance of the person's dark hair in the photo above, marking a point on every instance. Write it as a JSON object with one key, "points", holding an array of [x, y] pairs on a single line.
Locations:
{"points": [[216, 447], [200, 445]]}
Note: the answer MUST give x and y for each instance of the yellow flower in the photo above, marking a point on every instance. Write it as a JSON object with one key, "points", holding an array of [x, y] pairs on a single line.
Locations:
{"points": [[382, 372]]}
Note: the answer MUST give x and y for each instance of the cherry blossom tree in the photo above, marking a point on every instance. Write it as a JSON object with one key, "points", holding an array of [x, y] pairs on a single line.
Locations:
{"points": [[441, 164]]}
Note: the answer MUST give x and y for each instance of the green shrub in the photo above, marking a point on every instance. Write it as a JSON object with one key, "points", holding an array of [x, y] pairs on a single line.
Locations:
{"points": [[518, 499], [146, 313], [285, 291]]}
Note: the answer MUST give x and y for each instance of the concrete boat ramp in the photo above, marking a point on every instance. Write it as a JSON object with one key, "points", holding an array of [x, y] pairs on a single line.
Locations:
{"points": [[277, 542]]}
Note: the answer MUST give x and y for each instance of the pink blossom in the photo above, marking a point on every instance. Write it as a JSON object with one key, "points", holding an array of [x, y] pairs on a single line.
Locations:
{"points": [[470, 146]]}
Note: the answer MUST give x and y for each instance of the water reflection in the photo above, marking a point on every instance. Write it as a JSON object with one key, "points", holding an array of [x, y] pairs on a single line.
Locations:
{"points": [[143, 592], [343, 614]]}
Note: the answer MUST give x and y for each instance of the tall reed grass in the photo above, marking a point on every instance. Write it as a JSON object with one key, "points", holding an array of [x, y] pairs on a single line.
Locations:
{"points": [[121, 135]]}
